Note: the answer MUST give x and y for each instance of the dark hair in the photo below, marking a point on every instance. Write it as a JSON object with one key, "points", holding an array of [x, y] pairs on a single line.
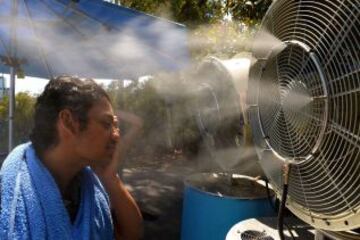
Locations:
{"points": [[63, 92]]}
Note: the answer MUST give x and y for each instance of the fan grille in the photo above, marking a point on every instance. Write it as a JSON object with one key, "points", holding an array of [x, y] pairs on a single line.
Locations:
{"points": [[305, 107], [292, 103]]}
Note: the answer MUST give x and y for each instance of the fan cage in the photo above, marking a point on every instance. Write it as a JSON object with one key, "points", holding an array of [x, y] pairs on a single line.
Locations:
{"points": [[304, 107], [218, 112], [300, 99]]}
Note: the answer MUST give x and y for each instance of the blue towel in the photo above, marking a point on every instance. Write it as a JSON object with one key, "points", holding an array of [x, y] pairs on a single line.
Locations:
{"points": [[32, 206]]}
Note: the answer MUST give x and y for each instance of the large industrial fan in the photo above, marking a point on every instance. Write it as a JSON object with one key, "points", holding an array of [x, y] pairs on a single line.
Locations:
{"points": [[218, 106], [304, 109]]}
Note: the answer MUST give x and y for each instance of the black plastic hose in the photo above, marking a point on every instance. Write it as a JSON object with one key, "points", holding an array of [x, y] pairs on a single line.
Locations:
{"points": [[280, 223]]}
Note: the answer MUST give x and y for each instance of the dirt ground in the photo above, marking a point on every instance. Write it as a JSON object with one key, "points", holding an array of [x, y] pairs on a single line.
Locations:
{"points": [[156, 182]]}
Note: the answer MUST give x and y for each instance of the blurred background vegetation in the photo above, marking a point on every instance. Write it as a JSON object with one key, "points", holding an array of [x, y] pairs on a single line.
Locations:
{"points": [[219, 28], [23, 119], [216, 27]]}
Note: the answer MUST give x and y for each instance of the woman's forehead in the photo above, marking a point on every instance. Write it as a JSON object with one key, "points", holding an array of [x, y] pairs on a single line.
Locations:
{"points": [[101, 107]]}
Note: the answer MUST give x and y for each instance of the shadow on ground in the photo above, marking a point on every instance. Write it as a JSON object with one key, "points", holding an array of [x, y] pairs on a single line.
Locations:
{"points": [[158, 189]]}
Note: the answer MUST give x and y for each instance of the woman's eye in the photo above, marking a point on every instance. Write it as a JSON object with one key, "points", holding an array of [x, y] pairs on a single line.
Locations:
{"points": [[107, 124]]}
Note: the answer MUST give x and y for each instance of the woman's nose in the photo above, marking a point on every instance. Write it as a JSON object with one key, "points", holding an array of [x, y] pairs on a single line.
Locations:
{"points": [[115, 134]]}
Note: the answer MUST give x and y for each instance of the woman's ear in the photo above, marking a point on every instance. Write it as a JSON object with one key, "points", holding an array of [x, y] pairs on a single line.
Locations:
{"points": [[67, 123]]}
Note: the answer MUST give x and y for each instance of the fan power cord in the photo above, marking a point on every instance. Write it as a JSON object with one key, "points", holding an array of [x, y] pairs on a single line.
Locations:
{"points": [[280, 223]]}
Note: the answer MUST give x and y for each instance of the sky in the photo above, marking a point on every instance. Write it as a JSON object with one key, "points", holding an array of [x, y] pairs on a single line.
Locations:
{"points": [[36, 85]]}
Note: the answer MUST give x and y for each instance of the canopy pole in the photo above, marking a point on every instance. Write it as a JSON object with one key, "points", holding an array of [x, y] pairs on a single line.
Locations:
{"points": [[11, 107]]}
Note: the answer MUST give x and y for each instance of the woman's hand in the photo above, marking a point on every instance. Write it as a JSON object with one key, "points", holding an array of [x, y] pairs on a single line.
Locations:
{"points": [[128, 219]]}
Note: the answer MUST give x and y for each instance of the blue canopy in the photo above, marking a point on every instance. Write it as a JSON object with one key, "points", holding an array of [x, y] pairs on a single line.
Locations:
{"points": [[88, 38]]}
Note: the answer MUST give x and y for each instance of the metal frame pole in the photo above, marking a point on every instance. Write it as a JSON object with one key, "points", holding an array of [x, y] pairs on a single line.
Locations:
{"points": [[11, 107]]}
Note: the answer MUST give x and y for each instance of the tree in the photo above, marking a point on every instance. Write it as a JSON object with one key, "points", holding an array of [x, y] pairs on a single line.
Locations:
{"points": [[23, 119], [148, 6], [143, 100], [211, 31], [194, 13], [248, 11]]}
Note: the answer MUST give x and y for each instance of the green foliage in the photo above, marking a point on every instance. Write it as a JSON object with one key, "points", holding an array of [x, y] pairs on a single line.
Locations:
{"points": [[189, 12], [249, 12], [23, 119], [4, 105], [167, 121], [210, 30], [195, 12], [184, 133], [199, 12], [224, 40], [148, 6], [143, 100], [23, 116]]}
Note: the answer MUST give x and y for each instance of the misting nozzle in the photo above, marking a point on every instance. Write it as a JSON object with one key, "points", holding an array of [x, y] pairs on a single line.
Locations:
{"points": [[286, 171]]}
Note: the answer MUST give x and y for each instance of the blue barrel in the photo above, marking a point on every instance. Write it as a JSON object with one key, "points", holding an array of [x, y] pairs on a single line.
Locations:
{"points": [[213, 203]]}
